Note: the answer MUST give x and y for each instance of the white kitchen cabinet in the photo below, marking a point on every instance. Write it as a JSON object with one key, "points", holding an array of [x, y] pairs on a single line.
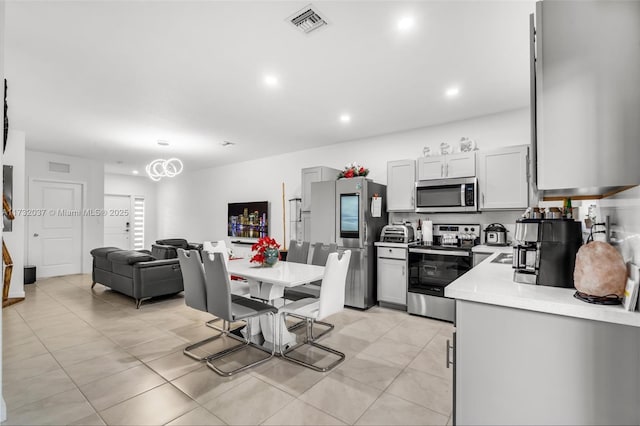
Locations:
{"points": [[515, 366], [306, 226], [479, 257], [447, 166], [587, 97], [503, 178], [430, 168], [314, 174], [392, 275], [401, 180]]}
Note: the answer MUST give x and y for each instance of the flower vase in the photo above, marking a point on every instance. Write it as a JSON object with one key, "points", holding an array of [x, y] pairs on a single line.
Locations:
{"points": [[271, 256]]}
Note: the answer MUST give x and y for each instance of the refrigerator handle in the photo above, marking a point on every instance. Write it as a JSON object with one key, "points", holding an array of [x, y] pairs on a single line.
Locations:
{"points": [[364, 236]]}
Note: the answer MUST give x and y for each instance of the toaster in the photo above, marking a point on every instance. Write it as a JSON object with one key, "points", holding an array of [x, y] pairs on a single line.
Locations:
{"points": [[397, 234]]}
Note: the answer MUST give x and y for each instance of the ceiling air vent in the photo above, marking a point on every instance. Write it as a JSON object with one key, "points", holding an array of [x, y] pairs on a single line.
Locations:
{"points": [[59, 167], [307, 19]]}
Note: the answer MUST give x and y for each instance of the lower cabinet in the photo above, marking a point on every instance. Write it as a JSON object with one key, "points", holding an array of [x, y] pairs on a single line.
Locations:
{"points": [[241, 249], [514, 366], [479, 257], [392, 276]]}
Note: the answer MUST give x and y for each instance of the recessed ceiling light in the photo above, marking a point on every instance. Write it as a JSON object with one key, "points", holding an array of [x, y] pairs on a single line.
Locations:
{"points": [[406, 24], [452, 92], [163, 143], [135, 172], [345, 118], [271, 80]]}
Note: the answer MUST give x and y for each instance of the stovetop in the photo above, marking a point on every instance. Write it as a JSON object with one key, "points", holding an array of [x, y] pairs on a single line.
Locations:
{"points": [[424, 245]]}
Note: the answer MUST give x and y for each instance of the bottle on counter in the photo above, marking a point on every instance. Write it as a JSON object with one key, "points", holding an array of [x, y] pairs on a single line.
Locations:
{"points": [[568, 211], [419, 231]]}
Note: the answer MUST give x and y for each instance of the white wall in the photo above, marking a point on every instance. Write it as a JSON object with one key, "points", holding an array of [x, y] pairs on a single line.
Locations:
{"points": [[14, 156], [117, 184], [195, 203], [623, 210], [88, 172]]}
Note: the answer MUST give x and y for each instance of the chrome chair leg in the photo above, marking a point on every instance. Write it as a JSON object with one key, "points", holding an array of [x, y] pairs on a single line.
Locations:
{"points": [[309, 340], [237, 348], [224, 331], [299, 324]]}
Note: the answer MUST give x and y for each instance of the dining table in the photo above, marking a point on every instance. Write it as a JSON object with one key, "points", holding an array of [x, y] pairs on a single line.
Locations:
{"points": [[267, 283]]}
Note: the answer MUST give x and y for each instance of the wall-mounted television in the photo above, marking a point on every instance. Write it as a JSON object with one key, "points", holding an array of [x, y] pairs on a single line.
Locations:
{"points": [[248, 220]]}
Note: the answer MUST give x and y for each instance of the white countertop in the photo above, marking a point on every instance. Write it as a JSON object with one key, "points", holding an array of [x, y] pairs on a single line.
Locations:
{"points": [[483, 248], [492, 283]]}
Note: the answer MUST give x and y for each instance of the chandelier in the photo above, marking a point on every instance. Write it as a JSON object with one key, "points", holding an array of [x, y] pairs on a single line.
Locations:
{"points": [[157, 169]]}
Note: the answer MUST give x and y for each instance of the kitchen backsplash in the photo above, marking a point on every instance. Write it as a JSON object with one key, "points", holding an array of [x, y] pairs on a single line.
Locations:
{"points": [[623, 210], [506, 218]]}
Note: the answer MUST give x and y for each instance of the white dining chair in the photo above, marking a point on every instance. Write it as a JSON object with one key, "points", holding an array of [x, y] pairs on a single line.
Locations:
{"points": [[319, 257], [239, 287], [331, 301]]}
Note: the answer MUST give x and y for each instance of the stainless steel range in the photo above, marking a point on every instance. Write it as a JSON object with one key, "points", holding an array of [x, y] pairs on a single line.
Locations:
{"points": [[433, 267]]}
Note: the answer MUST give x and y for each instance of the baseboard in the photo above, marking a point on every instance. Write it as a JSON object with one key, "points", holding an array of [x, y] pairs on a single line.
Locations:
{"points": [[16, 294], [12, 301]]}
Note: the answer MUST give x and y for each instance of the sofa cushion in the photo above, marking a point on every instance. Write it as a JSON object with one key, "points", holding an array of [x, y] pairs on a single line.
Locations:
{"points": [[164, 251], [128, 257], [103, 251], [176, 242]]}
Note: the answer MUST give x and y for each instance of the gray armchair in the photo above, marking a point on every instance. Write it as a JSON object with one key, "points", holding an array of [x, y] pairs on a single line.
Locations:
{"points": [[167, 248]]}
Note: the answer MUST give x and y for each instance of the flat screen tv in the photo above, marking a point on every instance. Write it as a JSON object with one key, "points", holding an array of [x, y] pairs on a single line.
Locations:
{"points": [[248, 220], [349, 216]]}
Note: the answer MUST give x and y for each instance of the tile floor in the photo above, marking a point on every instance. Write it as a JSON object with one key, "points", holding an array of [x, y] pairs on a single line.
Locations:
{"points": [[73, 355]]}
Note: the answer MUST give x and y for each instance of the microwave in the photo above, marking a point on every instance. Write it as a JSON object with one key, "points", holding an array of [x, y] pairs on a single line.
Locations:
{"points": [[447, 195]]}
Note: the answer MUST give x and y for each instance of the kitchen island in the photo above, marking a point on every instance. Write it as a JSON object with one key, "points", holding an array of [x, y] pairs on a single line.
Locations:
{"points": [[526, 354]]}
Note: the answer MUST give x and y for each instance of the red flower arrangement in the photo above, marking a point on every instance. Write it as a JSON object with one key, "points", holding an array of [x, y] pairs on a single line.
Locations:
{"points": [[353, 170], [263, 245]]}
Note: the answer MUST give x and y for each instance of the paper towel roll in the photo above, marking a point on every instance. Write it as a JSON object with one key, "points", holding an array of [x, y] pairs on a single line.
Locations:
{"points": [[427, 231]]}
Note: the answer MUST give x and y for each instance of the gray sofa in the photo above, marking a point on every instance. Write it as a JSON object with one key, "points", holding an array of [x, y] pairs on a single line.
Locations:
{"points": [[136, 273]]}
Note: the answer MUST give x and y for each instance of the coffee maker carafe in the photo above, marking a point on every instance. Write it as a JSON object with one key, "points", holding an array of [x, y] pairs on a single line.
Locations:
{"points": [[544, 251]]}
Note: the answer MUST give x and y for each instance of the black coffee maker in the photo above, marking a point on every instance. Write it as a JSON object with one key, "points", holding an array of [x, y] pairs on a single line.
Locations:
{"points": [[544, 251]]}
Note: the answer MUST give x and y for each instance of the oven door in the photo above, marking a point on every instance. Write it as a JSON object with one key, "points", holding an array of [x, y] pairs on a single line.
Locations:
{"points": [[430, 271], [446, 195]]}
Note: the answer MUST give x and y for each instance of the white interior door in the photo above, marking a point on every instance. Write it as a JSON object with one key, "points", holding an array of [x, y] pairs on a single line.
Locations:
{"points": [[55, 228], [117, 227]]}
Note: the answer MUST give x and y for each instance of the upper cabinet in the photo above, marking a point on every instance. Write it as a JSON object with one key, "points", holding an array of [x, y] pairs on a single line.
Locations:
{"points": [[314, 174], [401, 178], [503, 178], [586, 95], [447, 166]]}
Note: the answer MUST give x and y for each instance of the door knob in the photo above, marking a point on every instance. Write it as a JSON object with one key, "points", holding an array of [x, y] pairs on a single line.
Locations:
{"points": [[36, 235]]}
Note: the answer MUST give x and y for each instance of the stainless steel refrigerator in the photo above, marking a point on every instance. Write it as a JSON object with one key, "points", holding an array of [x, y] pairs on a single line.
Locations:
{"points": [[341, 213]]}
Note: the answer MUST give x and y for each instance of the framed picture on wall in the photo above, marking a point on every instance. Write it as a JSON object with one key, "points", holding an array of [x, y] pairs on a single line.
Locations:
{"points": [[5, 134]]}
